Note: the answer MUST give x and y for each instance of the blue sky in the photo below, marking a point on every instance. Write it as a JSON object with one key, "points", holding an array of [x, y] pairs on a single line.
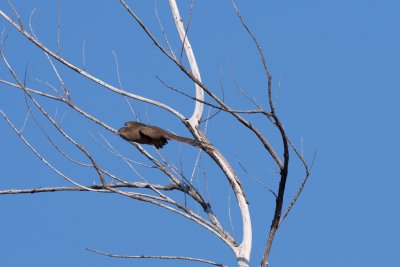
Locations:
{"points": [[335, 68]]}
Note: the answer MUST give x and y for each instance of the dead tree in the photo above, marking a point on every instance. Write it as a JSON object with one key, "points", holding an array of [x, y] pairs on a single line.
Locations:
{"points": [[158, 194]]}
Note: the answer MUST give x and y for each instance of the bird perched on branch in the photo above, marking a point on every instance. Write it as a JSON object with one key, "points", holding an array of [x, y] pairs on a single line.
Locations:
{"points": [[150, 135]]}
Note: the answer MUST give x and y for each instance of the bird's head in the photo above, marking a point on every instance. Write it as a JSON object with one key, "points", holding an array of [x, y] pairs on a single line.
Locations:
{"points": [[122, 132]]}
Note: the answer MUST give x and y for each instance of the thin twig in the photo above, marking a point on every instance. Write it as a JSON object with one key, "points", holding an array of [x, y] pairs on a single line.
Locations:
{"points": [[25, 121], [255, 179], [186, 31], [252, 99], [156, 257], [15, 12], [63, 86], [229, 214], [117, 69], [113, 151], [84, 54], [303, 183], [259, 48], [59, 28], [163, 31]]}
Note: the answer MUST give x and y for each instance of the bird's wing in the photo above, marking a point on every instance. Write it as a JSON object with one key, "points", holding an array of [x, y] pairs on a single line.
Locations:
{"points": [[153, 132]]}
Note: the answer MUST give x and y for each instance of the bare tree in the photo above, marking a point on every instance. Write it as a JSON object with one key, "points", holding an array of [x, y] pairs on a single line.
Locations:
{"points": [[38, 99]]}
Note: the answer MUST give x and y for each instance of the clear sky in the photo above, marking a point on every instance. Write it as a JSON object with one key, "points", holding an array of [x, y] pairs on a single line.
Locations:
{"points": [[336, 79]]}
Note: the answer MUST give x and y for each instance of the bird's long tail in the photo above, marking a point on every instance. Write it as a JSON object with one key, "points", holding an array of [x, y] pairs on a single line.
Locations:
{"points": [[183, 139]]}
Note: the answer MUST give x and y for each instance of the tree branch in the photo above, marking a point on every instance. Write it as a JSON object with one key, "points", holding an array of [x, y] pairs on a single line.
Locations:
{"points": [[156, 257]]}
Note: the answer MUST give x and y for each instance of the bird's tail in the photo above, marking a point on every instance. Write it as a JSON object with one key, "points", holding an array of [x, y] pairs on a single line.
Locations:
{"points": [[184, 139]]}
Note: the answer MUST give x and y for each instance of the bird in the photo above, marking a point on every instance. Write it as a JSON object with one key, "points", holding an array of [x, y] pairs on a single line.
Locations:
{"points": [[141, 133]]}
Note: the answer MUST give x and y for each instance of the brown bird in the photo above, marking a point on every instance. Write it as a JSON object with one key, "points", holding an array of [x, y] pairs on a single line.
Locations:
{"points": [[150, 135]]}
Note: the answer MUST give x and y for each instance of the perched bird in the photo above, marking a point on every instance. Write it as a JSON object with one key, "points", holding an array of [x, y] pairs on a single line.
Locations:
{"points": [[150, 135]]}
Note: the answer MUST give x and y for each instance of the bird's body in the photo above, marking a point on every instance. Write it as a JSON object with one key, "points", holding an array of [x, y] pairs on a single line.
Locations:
{"points": [[150, 135]]}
